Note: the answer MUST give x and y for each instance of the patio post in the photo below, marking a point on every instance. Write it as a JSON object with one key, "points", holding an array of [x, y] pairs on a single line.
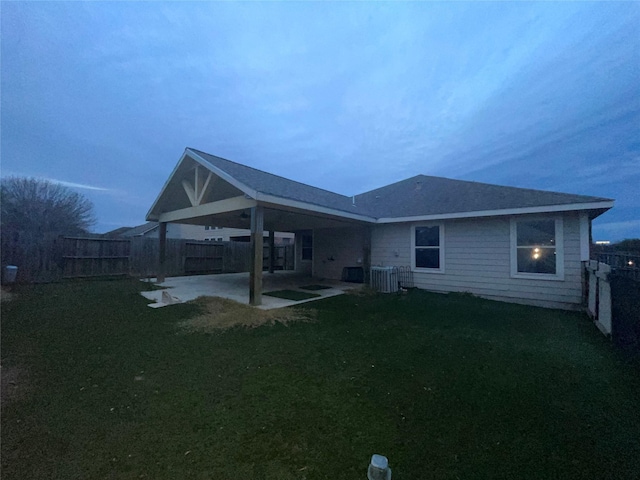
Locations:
{"points": [[272, 251], [255, 276], [162, 237]]}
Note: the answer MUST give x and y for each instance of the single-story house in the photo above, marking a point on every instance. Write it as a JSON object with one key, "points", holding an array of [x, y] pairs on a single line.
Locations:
{"points": [[504, 243]]}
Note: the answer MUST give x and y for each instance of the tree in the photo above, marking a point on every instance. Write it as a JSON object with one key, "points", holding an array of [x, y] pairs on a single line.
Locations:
{"points": [[628, 245], [33, 214], [35, 207]]}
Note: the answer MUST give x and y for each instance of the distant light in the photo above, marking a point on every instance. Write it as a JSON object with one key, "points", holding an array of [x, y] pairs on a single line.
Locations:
{"points": [[603, 242], [537, 250], [536, 256], [630, 263]]}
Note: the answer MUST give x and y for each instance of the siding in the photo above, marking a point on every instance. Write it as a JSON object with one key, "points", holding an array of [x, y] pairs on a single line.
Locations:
{"points": [[478, 260], [336, 248]]}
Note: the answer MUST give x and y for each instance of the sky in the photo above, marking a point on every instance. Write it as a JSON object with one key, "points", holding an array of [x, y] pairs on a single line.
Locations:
{"points": [[105, 96]]}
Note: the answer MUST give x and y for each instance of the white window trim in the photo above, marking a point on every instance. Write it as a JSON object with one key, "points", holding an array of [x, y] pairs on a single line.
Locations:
{"points": [[413, 248], [559, 224]]}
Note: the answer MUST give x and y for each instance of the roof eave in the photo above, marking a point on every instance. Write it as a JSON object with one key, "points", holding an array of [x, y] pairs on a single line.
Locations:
{"points": [[601, 206], [286, 202]]}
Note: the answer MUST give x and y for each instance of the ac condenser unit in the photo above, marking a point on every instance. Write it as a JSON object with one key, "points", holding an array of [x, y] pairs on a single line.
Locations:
{"points": [[384, 279]]}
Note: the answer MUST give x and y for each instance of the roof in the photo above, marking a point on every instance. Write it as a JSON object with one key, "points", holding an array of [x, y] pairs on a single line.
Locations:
{"points": [[140, 230], [277, 186], [419, 197], [426, 195], [116, 232]]}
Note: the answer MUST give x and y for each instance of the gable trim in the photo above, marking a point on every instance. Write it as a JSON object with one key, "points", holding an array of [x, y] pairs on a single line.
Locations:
{"points": [[149, 216], [222, 174]]}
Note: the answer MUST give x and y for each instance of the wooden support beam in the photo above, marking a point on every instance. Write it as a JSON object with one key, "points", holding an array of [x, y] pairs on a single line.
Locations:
{"points": [[162, 237], [191, 193], [203, 189], [255, 276], [272, 251], [196, 191], [221, 206]]}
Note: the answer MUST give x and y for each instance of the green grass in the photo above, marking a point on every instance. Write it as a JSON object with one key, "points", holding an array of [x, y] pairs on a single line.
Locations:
{"points": [[446, 386], [294, 295]]}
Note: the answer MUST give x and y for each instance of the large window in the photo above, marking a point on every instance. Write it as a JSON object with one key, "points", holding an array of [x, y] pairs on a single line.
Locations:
{"points": [[428, 248], [536, 248]]}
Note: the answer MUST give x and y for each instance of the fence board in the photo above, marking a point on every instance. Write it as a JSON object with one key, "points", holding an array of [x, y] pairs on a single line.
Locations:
{"points": [[51, 259]]}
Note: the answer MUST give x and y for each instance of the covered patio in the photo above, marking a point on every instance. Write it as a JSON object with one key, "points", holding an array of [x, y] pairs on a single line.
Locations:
{"points": [[233, 286], [211, 191]]}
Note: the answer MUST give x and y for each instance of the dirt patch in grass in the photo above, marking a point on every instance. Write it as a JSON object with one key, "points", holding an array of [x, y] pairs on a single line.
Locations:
{"points": [[294, 295], [362, 291], [220, 313]]}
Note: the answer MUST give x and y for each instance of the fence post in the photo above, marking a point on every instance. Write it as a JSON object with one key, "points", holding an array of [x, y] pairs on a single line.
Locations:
{"points": [[592, 267], [162, 237], [255, 275], [604, 298]]}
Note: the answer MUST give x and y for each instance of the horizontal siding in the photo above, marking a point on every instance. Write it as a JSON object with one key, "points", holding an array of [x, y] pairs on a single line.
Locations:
{"points": [[478, 260]]}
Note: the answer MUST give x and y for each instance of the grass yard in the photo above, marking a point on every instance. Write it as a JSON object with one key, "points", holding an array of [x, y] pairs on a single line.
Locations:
{"points": [[446, 386]]}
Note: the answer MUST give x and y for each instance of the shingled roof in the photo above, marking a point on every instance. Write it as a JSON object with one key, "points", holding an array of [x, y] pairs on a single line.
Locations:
{"points": [[426, 195], [277, 186], [421, 195]]}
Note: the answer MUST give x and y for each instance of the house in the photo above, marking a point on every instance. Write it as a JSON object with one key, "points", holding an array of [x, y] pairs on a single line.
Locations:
{"points": [[209, 233], [504, 243]]}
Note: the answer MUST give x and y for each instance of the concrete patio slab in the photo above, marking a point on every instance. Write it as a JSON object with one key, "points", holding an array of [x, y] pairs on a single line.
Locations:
{"points": [[235, 286]]}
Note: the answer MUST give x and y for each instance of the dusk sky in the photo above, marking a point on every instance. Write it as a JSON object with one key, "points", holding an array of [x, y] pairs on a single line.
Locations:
{"points": [[104, 97]]}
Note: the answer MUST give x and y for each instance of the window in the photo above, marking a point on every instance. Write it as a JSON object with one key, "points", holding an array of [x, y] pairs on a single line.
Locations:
{"points": [[428, 248], [307, 247], [536, 248], [211, 227]]}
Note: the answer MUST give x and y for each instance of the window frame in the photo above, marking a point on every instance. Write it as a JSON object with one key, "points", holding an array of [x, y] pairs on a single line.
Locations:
{"points": [[440, 247], [559, 247]]}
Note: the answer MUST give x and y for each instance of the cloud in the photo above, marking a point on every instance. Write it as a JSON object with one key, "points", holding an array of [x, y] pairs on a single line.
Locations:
{"points": [[75, 185]]}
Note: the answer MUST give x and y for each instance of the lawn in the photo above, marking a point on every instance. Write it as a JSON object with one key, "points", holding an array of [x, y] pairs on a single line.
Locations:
{"points": [[446, 386]]}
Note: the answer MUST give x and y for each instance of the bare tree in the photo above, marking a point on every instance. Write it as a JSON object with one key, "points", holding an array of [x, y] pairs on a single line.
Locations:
{"points": [[41, 206], [34, 213]]}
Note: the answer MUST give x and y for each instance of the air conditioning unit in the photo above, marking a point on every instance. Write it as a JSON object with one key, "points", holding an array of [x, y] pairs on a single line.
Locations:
{"points": [[384, 279]]}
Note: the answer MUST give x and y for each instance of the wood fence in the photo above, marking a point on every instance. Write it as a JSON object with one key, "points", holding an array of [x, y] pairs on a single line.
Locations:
{"points": [[599, 295], [51, 259], [613, 301]]}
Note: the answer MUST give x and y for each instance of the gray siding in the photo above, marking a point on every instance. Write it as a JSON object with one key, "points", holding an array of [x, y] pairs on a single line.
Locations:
{"points": [[478, 260], [336, 248]]}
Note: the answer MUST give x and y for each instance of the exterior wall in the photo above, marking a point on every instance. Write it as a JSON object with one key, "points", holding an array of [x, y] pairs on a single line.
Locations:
{"points": [[477, 259], [336, 248]]}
